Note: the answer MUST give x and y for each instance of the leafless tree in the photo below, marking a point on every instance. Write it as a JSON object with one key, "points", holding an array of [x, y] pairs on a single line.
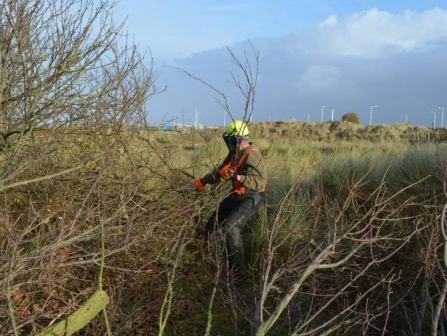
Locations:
{"points": [[72, 86], [244, 78]]}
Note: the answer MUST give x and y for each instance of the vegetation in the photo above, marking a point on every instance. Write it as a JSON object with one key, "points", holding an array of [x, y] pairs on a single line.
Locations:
{"points": [[350, 242], [336, 131], [386, 194], [351, 117]]}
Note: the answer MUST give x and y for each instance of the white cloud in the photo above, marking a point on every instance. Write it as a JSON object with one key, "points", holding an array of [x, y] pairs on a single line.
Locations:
{"points": [[376, 33], [331, 21], [374, 57]]}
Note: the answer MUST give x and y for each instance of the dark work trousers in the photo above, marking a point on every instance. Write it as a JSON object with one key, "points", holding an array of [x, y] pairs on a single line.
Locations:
{"points": [[231, 217]]}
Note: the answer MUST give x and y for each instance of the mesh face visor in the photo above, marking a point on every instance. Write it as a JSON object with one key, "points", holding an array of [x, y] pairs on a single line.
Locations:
{"points": [[225, 136], [230, 141]]}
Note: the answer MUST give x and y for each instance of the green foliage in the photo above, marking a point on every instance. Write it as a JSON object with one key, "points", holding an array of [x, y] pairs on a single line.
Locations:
{"points": [[351, 117], [421, 166], [397, 195]]}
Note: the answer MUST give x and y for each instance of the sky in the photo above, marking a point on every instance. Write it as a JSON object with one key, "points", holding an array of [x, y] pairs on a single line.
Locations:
{"points": [[346, 55]]}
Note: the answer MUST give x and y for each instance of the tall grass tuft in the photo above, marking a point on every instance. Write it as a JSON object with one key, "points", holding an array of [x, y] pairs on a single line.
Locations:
{"points": [[379, 214]]}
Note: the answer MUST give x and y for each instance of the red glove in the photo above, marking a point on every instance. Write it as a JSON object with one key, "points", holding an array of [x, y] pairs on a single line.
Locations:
{"points": [[199, 185]]}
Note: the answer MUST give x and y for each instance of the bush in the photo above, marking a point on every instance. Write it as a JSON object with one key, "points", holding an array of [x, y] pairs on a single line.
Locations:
{"points": [[72, 85], [371, 225], [396, 196], [351, 117]]}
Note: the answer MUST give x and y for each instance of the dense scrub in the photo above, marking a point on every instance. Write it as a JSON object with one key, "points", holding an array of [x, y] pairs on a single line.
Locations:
{"points": [[351, 117], [394, 203], [374, 206], [350, 240]]}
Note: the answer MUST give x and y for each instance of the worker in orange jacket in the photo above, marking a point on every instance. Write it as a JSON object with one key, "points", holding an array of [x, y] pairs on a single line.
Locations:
{"points": [[245, 168]]}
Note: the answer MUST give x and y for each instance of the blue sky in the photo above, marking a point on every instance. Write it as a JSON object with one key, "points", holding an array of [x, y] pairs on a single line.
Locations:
{"points": [[177, 28], [346, 55]]}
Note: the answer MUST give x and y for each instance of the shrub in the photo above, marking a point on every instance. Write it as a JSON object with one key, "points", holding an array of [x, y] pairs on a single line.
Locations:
{"points": [[351, 117], [368, 214]]}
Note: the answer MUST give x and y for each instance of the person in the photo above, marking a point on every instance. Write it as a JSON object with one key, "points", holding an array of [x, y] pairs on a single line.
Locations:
{"points": [[245, 168]]}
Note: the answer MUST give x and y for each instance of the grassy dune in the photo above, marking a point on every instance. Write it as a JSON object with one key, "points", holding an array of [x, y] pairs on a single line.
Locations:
{"points": [[334, 189], [331, 131]]}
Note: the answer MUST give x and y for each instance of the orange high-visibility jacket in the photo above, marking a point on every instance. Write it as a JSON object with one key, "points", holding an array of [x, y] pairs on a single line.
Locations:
{"points": [[249, 164]]}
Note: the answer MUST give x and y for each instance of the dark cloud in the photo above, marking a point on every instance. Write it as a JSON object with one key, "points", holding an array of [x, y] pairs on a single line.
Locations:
{"points": [[370, 58]]}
